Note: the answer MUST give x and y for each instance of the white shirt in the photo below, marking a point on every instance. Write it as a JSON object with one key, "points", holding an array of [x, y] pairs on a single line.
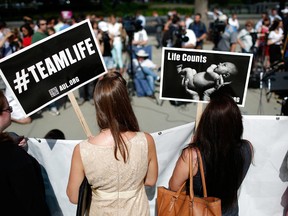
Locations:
{"points": [[234, 23], [274, 37], [192, 37], [114, 30], [140, 35], [146, 63], [246, 39]]}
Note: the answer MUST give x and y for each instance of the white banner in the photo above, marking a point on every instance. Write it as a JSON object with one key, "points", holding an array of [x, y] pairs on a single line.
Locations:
{"points": [[261, 190]]}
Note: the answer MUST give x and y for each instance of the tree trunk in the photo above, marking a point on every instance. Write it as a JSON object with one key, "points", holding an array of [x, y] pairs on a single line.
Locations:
{"points": [[201, 6]]}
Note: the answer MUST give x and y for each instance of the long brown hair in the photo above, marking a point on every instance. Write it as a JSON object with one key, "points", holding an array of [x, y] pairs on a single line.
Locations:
{"points": [[114, 110], [219, 138]]}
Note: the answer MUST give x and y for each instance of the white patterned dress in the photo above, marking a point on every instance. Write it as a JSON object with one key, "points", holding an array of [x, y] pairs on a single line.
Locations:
{"points": [[117, 187]]}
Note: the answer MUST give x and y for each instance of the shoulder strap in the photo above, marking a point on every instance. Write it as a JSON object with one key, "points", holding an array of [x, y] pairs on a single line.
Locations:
{"points": [[200, 165]]}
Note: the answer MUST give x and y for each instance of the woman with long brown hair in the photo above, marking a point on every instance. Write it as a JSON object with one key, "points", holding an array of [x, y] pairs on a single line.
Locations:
{"points": [[119, 160], [226, 156]]}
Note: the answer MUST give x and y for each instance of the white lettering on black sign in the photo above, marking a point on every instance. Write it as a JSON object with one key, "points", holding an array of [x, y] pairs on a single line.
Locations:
{"points": [[57, 62]]}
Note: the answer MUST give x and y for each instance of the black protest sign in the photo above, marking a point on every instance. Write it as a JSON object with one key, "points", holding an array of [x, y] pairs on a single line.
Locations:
{"points": [[49, 69], [193, 75]]}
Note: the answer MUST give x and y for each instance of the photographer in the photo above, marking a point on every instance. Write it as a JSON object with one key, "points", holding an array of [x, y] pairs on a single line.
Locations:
{"points": [[228, 38], [140, 37], [106, 43], [9, 42], [184, 38]]}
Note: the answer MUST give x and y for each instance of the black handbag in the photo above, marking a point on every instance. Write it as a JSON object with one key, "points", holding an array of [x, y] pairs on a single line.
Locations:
{"points": [[84, 198]]}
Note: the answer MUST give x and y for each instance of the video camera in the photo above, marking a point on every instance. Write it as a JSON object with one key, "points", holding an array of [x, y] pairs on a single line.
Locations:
{"points": [[131, 25], [179, 37], [217, 28]]}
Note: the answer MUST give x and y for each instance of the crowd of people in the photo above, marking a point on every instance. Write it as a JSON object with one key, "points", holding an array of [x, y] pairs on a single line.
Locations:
{"points": [[266, 39], [120, 160]]}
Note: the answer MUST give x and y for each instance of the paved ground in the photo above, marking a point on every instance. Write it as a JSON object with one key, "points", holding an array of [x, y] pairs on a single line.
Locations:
{"points": [[152, 117]]}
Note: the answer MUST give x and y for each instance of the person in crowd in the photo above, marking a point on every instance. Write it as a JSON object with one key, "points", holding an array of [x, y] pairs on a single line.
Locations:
{"points": [[27, 197], [144, 69], [226, 156], [199, 28], [274, 15], [170, 27], [215, 14], [119, 160], [233, 21], [40, 34], [51, 31], [188, 20], [262, 55], [8, 46], [59, 24], [159, 24], [170, 16], [245, 37], [139, 16], [115, 29], [259, 23], [184, 38], [94, 25], [9, 40], [54, 134], [228, 39], [105, 41], [67, 23], [275, 40], [27, 33], [29, 20], [140, 38]]}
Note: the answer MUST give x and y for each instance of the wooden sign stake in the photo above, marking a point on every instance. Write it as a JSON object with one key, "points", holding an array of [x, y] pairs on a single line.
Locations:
{"points": [[79, 114]]}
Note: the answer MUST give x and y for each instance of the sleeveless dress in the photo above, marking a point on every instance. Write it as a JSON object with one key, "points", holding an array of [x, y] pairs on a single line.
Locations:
{"points": [[117, 187]]}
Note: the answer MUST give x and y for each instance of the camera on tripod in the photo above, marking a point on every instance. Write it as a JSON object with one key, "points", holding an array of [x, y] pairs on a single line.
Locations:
{"points": [[218, 28], [131, 25]]}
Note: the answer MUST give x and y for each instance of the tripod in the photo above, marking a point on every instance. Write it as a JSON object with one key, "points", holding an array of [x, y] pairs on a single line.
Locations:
{"points": [[130, 71], [266, 82]]}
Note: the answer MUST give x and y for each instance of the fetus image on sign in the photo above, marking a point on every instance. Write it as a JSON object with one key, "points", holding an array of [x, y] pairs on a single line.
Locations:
{"points": [[200, 85]]}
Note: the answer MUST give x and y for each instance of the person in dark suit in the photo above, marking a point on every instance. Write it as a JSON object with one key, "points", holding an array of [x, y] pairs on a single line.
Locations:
{"points": [[21, 183]]}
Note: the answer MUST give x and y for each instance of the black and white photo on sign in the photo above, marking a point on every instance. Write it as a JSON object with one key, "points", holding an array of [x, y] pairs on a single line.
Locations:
{"points": [[51, 68], [193, 75]]}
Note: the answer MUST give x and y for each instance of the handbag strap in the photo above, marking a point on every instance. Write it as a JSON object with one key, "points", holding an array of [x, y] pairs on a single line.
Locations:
{"points": [[200, 166], [200, 162]]}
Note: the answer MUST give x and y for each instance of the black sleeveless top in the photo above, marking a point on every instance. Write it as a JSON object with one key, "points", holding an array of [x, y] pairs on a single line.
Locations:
{"points": [[197, 184]]}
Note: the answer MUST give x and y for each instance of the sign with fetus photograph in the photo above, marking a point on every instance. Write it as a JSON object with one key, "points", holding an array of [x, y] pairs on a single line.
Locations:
{"points": [[50, 68], [191, 75]]}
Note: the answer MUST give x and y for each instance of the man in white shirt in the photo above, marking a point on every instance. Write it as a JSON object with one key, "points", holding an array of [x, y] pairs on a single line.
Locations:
{"points": [[188, 38], [140, 37]]}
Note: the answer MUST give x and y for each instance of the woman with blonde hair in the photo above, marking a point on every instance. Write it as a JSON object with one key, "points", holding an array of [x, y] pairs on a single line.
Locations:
{"points": [[120, 160]]}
